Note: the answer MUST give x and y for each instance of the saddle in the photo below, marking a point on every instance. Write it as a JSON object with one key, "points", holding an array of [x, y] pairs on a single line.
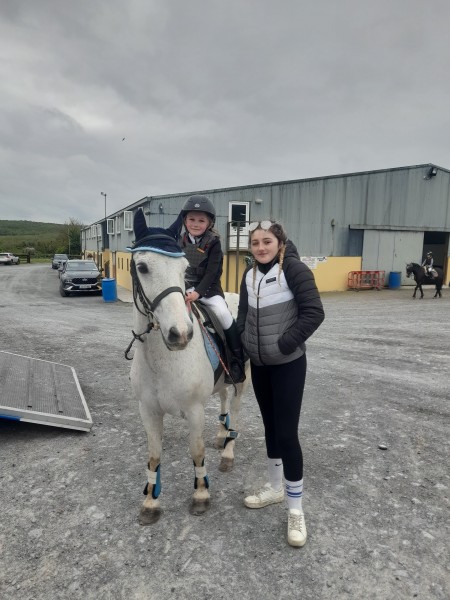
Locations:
{"points": [[213, 338], [432, 274]]}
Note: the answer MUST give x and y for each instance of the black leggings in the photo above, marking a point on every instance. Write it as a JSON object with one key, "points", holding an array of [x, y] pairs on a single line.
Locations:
{"points": [[279, 392]]}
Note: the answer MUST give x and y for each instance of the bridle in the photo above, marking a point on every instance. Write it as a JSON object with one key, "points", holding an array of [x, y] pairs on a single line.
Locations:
{"points": [[148, 306]]}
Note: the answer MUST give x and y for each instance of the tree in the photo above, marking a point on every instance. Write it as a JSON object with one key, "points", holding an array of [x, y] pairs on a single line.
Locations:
{"points": [[69, 242]]}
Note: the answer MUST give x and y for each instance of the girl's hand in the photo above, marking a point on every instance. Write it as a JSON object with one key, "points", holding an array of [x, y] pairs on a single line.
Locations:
{"points": [[192, 296]]}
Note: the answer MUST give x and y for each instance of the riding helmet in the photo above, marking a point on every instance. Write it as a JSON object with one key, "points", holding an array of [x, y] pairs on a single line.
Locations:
{"points": [[199, 203], [429, 254]]}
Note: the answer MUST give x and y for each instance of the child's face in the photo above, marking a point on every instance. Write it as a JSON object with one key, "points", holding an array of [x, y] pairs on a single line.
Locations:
{"points": [[197, 223]]}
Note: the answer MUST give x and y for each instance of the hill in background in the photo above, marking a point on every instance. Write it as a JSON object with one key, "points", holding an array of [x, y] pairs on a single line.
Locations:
{"points": [[45, 238]]}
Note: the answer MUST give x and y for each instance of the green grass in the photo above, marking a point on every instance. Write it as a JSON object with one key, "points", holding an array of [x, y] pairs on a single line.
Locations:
{"points": [[45, 238]]}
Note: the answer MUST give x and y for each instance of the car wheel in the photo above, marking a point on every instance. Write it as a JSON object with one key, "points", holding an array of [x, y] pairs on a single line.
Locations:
{"points": [[63, 292]]}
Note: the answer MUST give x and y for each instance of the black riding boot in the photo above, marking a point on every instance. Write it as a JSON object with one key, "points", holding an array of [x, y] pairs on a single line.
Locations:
{"points": [[237, 360]]}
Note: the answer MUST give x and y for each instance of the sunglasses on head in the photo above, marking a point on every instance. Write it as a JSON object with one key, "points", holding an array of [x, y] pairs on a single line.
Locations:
{"points": [[265, 225]]}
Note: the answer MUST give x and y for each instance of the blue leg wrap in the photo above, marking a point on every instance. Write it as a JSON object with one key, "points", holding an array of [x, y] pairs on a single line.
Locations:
{"points": [[225, 420], [156, 490]]}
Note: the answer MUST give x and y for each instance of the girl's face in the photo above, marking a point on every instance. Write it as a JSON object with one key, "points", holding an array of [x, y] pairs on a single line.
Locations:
{"points": [[264, 246], [197, 222]]}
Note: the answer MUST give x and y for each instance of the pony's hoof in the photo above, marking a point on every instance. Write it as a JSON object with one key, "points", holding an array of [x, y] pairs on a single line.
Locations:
{"points": [[149, 516], [199, 507], [226, 464]]}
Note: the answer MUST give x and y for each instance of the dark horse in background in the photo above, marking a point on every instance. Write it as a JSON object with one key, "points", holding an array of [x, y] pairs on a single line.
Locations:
{"points": [[422, 279]]}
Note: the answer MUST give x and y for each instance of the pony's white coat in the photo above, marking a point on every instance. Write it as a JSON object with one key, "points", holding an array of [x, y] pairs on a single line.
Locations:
{"points": [[171, 373]]}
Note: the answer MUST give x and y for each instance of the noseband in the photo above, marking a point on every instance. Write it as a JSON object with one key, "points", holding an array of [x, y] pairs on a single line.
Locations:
{"points": [[148, 305]]}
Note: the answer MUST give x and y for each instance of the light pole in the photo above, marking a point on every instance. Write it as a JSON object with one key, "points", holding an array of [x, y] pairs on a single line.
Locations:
{"points": [[104, 194], [105, 230]]}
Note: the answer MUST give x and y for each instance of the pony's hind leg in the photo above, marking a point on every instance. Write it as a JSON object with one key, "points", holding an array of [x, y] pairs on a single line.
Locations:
{"points": [[229, 425], [151, 508], [200, 499]]}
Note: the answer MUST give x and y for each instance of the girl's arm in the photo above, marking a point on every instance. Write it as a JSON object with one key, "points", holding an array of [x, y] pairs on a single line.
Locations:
{"points": [[213, 270], [310, 310]]}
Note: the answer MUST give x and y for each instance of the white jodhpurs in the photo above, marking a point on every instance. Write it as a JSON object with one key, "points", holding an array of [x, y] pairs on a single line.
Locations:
{"points": [[220, 309]]}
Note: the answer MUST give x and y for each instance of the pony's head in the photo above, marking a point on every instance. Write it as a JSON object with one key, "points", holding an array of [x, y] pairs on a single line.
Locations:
{"points": [[157, 270], [158, 291], [409, 269]]}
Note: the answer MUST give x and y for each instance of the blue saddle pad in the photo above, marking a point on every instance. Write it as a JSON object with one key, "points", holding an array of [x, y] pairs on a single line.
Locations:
{"points": [[212, 349]]}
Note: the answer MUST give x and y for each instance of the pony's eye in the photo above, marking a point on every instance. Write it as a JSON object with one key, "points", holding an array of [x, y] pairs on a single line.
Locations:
{"points": [[142, 268]]}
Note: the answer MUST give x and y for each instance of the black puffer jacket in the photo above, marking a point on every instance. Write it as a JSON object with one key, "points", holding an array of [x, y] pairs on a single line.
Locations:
{"points": [[276, 321]]}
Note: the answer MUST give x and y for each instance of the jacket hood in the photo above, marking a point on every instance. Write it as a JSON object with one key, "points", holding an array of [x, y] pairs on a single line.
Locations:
{"points": [[291, 250]]}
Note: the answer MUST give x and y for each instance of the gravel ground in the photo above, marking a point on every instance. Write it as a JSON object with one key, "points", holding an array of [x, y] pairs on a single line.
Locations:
{"points": [[378, 525]]}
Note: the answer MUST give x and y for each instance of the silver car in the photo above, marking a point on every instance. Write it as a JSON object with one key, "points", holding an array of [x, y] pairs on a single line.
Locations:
{"points": [[7, 258], [80, 276], [59, 260]]}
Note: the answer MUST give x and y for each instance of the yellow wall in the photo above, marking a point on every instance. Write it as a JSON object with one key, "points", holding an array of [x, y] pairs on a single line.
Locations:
{"points": [[331, 274]]}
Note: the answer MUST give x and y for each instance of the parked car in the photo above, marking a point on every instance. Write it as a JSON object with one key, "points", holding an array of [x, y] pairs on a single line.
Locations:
{"points": [[7, 258], [58, 260], [80, 276]]}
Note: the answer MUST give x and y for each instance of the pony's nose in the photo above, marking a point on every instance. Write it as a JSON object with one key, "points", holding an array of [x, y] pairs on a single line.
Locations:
{"points": [[178, 338]]}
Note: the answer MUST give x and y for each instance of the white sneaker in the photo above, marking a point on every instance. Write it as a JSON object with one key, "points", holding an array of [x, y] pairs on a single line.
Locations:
{"points": [[264, 496], [296, 528]]}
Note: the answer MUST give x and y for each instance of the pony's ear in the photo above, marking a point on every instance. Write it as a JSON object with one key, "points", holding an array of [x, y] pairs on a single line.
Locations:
{"points": [[140, 225]]}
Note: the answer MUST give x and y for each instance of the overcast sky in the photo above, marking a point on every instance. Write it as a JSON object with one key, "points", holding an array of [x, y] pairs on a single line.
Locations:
{"points": [[210, 94]]}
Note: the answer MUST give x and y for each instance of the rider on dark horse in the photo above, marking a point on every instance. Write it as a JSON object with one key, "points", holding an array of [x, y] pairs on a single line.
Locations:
{"points": [[428, 266]]}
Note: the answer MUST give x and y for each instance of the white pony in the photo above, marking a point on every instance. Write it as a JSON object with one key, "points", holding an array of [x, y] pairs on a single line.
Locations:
{"points": [[171, 373]]}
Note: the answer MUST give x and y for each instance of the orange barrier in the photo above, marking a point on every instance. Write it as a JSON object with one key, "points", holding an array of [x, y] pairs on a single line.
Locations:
{"points": [[365, 280]]}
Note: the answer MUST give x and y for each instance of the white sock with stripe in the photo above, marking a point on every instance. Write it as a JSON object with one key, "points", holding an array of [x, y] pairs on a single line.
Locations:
{"points": [[275, 473], [294, 494]]}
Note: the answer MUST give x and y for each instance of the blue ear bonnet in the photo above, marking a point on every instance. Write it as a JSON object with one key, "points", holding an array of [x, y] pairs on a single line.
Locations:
{"points": [[154, 239]]}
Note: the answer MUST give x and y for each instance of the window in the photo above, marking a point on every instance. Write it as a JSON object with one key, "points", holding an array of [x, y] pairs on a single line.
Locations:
{"points": [[118, 224], [128, 220], [99, 230], [238, 215], [110, 226]]}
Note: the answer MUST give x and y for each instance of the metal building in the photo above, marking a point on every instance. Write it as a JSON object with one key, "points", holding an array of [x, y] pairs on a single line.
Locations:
{"points": [[372, 220]]}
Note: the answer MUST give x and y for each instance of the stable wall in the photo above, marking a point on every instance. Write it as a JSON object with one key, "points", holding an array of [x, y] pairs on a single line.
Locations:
{"points": [[330, 273]]}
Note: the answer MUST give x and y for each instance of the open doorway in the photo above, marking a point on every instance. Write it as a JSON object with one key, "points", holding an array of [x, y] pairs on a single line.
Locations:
{"points": [[437, 243]]}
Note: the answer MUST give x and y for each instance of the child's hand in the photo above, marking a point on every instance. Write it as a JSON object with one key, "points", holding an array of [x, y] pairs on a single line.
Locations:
{"points": [[192, 296]]}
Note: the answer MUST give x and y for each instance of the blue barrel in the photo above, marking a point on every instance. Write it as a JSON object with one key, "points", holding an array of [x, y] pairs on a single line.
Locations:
{"points": [[395, 279], [109, 290]]}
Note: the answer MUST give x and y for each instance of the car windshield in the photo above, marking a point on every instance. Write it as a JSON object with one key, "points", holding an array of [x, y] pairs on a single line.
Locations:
{"points": [[62, 256], [81, 266]]}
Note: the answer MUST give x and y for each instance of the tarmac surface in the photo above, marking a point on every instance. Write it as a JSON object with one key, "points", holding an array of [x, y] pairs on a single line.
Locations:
{"points": [[375, 437]]}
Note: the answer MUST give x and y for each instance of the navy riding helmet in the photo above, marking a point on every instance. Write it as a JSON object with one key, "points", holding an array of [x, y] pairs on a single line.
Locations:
{"points": [[198, 203]]}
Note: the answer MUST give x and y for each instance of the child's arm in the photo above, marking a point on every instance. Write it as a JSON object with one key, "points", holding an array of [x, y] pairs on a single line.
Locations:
{"points": [[213, 269]]}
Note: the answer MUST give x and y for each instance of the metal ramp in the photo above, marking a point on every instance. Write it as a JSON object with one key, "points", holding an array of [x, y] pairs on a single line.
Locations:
{"points": [[43, 392]]}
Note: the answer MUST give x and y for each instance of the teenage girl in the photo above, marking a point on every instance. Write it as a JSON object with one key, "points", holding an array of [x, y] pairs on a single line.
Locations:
{"points": [[279, 309]]}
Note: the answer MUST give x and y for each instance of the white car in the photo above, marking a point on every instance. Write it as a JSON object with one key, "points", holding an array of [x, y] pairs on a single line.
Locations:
{"points": [[7, 258]]}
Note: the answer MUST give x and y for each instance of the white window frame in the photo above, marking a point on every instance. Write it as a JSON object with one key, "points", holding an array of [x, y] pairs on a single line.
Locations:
{"points": [[99, 230], [128, 216], [243, 229], [118, 224], [110, 226]]}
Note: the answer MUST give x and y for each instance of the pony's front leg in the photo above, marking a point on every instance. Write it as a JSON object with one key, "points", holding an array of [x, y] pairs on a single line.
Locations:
{"points": [[200, 499], [151, 509], [415, 290]]}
